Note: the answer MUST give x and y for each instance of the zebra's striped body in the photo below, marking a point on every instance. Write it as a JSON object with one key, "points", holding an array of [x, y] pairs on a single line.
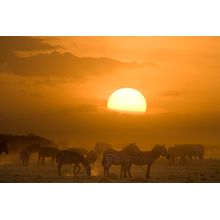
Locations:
{"points": [[147, 158], [114, 157]]}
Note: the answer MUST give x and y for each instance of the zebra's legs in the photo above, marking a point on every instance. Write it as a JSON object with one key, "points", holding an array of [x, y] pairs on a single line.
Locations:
{"points": [[59, 168], [123, 171], [75, 172], [129, 170], [148, 171], [106, 170]]}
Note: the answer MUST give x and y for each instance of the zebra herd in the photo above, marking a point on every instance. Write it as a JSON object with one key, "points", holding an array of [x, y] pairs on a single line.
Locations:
{"points": [[129, 155]]}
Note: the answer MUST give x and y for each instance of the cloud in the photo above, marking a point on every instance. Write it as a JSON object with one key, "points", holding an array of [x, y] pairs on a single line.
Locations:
{"points": [[53, 63], [10, 45]]}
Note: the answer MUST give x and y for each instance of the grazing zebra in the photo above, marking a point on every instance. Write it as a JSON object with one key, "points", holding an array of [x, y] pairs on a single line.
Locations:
{"points": [[147, 158], [114, 157], [26, 153], [50, 152], [71, 157], [4, 146]]}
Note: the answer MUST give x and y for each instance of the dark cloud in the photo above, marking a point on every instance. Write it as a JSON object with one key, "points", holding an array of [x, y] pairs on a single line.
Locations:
{"points": [[52, 63], [10, 45]]}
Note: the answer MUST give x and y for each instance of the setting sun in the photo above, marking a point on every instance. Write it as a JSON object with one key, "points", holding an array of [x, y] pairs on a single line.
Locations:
{"points": [[127, 99]]}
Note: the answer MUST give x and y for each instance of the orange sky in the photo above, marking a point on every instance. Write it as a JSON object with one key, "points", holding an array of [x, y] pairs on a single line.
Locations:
{"points": [[59, 86]]}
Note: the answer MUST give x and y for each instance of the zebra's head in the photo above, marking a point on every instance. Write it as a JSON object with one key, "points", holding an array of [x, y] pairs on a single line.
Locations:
{"points": [[161, 149]]}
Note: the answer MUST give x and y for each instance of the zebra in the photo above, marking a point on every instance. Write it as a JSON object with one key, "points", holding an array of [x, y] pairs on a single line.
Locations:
{"points": [[147, 158], [186, 151], [4, 146], [72, 157], [27, 151], [115, 157], [24, 156], [50, 152]]}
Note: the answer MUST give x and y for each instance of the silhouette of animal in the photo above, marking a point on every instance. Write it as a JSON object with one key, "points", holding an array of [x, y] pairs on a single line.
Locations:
{"points": [[147, 158], [24, 156], [27, 152], [4, 146], [122, 158], [196, 151], [49, 152], [180, 153], [100, 148], [72, 157]]}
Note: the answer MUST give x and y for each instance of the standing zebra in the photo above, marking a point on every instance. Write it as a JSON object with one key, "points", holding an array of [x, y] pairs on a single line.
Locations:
{"points": [[147, 158], [114, 157]]}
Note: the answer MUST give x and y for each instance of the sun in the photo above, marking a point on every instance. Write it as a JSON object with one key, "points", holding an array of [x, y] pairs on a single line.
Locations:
{"points": [[127, 100]]}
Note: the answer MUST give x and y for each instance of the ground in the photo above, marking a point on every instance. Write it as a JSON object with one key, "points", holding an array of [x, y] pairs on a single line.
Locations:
{"points": [[197, 171]]}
